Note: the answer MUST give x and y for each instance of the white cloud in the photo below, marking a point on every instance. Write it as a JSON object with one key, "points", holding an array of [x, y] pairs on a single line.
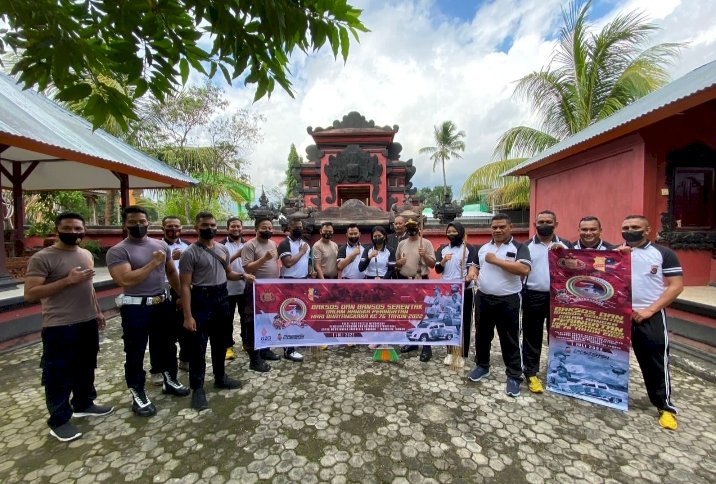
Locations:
{"points": [[416, 69]]}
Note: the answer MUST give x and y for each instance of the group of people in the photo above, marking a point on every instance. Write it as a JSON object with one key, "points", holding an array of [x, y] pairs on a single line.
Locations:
{"points": [[176, 291]]}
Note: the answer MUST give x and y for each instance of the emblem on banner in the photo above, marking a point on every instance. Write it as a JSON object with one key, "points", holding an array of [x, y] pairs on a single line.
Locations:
{"points": [[590, 287], [293, 309]]}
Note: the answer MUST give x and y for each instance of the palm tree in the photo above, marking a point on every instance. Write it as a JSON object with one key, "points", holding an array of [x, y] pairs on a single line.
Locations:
{"points": [[589, 78], [449, 143]]}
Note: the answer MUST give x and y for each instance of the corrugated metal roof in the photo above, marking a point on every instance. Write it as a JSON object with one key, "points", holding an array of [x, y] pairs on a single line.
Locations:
{"points": [[42, 129], [690, 84]]}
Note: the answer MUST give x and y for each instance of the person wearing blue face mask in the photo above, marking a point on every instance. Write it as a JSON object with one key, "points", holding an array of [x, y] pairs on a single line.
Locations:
{"points": [[141, 266]]}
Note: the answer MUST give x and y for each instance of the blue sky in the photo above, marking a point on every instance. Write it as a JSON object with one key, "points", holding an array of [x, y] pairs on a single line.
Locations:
{"points": [[426, 61]]}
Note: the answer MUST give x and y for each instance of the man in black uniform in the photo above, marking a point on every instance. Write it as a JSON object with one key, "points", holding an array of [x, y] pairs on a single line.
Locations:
{"points": [[203, 270]]}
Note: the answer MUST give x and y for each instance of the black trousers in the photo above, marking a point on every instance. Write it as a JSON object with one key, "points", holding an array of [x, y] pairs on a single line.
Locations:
{"points": [[467, 312], [210, 309], [235, 301], [503, 313], [69, 361], [148, 324], [535, 310], [180, 335], [247, 318], [650, 341]]}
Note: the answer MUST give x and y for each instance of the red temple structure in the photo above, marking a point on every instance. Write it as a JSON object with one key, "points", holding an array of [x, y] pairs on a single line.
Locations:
{"points": [[353, 174]]}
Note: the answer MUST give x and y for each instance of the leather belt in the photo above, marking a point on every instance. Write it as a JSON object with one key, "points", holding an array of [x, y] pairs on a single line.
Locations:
{"points": [[144, 300]]}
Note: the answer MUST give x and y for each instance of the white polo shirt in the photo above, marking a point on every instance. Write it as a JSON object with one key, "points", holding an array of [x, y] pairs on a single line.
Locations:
{"points": [[290, 247], [234, 288], [538, 279], [494, 280], [350, 271], [463, 257], [602, 245], [650, 264]]}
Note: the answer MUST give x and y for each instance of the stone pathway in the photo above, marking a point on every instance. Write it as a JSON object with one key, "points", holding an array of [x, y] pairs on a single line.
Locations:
{"points": [[340, 417]]}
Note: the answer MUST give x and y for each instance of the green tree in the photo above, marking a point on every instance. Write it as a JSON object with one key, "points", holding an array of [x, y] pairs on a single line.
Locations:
{"points": [[448, 144], [153, 44], [433, 196], [294, 160], [193, 132], [589, 77]]}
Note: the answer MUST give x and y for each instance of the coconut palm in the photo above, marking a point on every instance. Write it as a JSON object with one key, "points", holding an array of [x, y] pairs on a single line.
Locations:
{"points": [[590, 76], [448, 144]]}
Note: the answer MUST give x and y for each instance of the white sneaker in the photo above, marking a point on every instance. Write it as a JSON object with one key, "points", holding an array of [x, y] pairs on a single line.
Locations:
{"points": [[448, 360], [157, 379]]}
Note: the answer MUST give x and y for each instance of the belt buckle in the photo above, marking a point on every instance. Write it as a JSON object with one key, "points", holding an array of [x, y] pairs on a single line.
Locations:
{"points": [[154, 300]]}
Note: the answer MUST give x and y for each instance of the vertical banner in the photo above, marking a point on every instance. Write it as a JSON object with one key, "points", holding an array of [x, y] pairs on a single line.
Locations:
{"points": [[314, 312], [590, 334]]}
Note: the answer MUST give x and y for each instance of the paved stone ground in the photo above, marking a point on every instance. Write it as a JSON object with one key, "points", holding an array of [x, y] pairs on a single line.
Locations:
{"points": [[340, 417]]}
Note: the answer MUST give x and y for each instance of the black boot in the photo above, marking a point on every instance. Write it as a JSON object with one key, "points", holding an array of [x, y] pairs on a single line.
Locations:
{"points": [[426, 354], [257, 363], [198, 400], [267, 354]]}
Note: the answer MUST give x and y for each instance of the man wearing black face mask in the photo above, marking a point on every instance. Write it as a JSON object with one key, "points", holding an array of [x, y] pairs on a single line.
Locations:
{"points": [[535, 304], [656, 281], [260, 258], [325, 254], [235, 242], [349, 254], [140, 266], [204, 269], [293, 253], [60, 277]]}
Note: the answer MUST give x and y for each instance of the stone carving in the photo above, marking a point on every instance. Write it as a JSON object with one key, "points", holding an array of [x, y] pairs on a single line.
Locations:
{"points": [[264, 209], [354, 119], [353, 165]]}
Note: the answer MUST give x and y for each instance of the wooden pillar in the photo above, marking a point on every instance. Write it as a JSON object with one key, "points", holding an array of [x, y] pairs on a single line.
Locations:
{"points": [[6, 281], [19, 207]]}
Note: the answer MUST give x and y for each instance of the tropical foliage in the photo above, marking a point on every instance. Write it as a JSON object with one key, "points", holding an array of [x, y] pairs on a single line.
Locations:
{"points": [[294, 160], [590, 77], [195, 132], [153, 45], [448, 144]]}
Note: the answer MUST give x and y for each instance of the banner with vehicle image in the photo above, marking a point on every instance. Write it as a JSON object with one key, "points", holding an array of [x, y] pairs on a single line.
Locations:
{"points": [[590, 331], [314, 312]]}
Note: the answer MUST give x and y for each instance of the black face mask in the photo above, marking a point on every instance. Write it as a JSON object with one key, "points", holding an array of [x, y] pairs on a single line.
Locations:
{"points": [[207, 234], [412, 232], [69, 238], [378, 242], [455, 240], [265, 234], [234, 237], [327, 236], [633, 235], [171, 234], [137, 231], [545, 230], [296, 233], [353, 240]]}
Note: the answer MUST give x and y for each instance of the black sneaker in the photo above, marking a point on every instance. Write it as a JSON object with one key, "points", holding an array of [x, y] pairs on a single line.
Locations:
{"points": [[66, 432], [267, 354], [198, 400], [426, 354], [94, 411], [408, 348], [226, 383], [173, 387], [259, 365], [141, 405]]}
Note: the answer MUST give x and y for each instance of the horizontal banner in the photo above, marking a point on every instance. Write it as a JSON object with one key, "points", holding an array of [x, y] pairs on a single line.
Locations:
{"points": [[314, 312], [590, 330]]}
